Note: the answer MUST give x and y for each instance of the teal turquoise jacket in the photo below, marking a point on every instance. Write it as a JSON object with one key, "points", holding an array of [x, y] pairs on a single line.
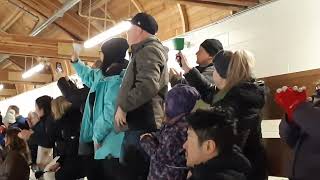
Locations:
{"points": [[100, 127]]}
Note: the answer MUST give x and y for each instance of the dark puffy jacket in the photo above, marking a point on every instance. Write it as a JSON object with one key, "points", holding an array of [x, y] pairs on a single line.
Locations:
{"points": [[74, 95], [231, 166], [14, 167], [302, 135], [66, 133], [166, 152], [247, 100], [41, 132]]}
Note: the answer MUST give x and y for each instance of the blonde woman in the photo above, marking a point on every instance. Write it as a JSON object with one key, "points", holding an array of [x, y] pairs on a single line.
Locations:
{"points": [[236, 88], [66, 137]]}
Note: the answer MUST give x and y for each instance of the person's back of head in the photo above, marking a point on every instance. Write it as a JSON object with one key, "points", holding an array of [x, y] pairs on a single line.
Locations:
{"points": [[211, 133], [59, 107], [113, 52], [14, 143]]}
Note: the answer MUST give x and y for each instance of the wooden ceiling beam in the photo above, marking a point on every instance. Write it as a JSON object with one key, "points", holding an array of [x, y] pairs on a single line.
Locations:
{"points": [[11, 77], [209, 4], [246, 3], [8, 92], [70, 22], [14, 17], [50, 48], [184, 17], [138, 5]]}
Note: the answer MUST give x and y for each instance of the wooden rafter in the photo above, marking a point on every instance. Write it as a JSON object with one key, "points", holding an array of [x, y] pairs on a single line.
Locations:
{"points": [[235, 2], [184, 17], [209, 4], [138, 5], [33, 46], [8, 92], [11, 77], [5, 25], [70, 22]]}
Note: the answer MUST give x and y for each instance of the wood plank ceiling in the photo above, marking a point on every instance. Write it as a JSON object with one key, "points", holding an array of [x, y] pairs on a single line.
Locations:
{"points": [[18, 18]]}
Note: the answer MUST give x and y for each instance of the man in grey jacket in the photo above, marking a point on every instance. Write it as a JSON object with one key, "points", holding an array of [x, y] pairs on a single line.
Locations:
{"points": [[141, 97]]}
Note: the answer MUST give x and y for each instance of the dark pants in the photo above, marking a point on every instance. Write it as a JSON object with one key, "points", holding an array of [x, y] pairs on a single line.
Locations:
{"points": [[110, 169], [135, 160], [76, 168]]}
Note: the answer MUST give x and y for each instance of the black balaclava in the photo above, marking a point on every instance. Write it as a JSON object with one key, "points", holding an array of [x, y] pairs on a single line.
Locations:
{"points": [[114, 51]]}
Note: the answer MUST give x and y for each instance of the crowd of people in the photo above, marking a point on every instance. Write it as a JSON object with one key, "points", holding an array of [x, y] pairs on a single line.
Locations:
{"points": [[124, 124]]}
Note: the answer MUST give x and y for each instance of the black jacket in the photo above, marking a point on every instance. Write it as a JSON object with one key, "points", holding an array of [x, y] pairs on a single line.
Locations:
{"points": [[302, 135], [206, 71], [247, 100], [66, 134], [230, 166], [71, 92], [41, 131]]}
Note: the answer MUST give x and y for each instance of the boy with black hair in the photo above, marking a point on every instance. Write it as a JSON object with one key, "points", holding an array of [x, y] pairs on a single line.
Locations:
{"points": [[210, 147]]}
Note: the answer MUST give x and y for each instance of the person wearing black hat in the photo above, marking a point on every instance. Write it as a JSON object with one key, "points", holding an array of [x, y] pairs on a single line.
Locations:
{"points": [[98, 116], [140, 101], [207, 50], [235, 87]]}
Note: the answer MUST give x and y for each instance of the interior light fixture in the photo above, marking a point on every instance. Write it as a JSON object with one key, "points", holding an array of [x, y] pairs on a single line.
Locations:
{"points": [[33, 70], [114, 31], [1, 86]]}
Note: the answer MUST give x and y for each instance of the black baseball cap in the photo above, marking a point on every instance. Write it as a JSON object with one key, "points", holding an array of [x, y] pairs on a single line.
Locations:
{"points": [[146, 22]]}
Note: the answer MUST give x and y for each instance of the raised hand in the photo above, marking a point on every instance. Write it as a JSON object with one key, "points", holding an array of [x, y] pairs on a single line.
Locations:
{"points": [[288, 98]]}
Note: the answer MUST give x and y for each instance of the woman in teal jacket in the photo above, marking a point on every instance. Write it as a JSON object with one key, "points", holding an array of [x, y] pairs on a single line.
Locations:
{"points": [[98, 118]]}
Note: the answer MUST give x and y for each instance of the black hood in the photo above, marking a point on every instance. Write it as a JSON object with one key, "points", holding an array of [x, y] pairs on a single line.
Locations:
{"points": [[231, 166], [114, 51], [250, 93]]}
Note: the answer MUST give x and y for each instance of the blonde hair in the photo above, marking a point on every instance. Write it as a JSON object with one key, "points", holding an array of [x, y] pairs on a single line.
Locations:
{"points": [[239, 70], [59, 107]]}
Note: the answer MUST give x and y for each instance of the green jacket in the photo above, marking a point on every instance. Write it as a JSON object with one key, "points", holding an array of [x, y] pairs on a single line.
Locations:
{"points": [[98, 126], [145, 85]]}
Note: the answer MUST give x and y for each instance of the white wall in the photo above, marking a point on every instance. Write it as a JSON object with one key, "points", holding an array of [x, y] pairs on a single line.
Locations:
{"points": [[26, 101], [283, 35]]}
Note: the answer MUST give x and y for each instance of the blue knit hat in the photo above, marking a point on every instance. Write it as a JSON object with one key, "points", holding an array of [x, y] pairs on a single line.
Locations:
{"points": [[180, 99]]}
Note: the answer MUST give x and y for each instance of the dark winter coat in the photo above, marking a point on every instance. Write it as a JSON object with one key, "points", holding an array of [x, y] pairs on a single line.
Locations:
{"points": [[165, 149], [14, 167], [66, 133], [231, 166], [302, 135], [206, 72], [41, 132], [144, 85], [71, 92], [246, 99]]}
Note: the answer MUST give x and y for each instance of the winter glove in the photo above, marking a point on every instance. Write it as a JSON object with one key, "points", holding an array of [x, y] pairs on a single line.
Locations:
{"points": [[288, 98]]}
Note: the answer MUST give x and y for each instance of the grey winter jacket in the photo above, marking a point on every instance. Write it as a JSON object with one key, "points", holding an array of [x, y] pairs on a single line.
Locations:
{"points": [[145, 85]]}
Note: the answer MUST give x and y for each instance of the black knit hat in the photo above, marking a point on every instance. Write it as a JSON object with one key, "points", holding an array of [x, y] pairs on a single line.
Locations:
{"points": [[114, 51], [221, 63], [212, 46], [146, 22]]}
